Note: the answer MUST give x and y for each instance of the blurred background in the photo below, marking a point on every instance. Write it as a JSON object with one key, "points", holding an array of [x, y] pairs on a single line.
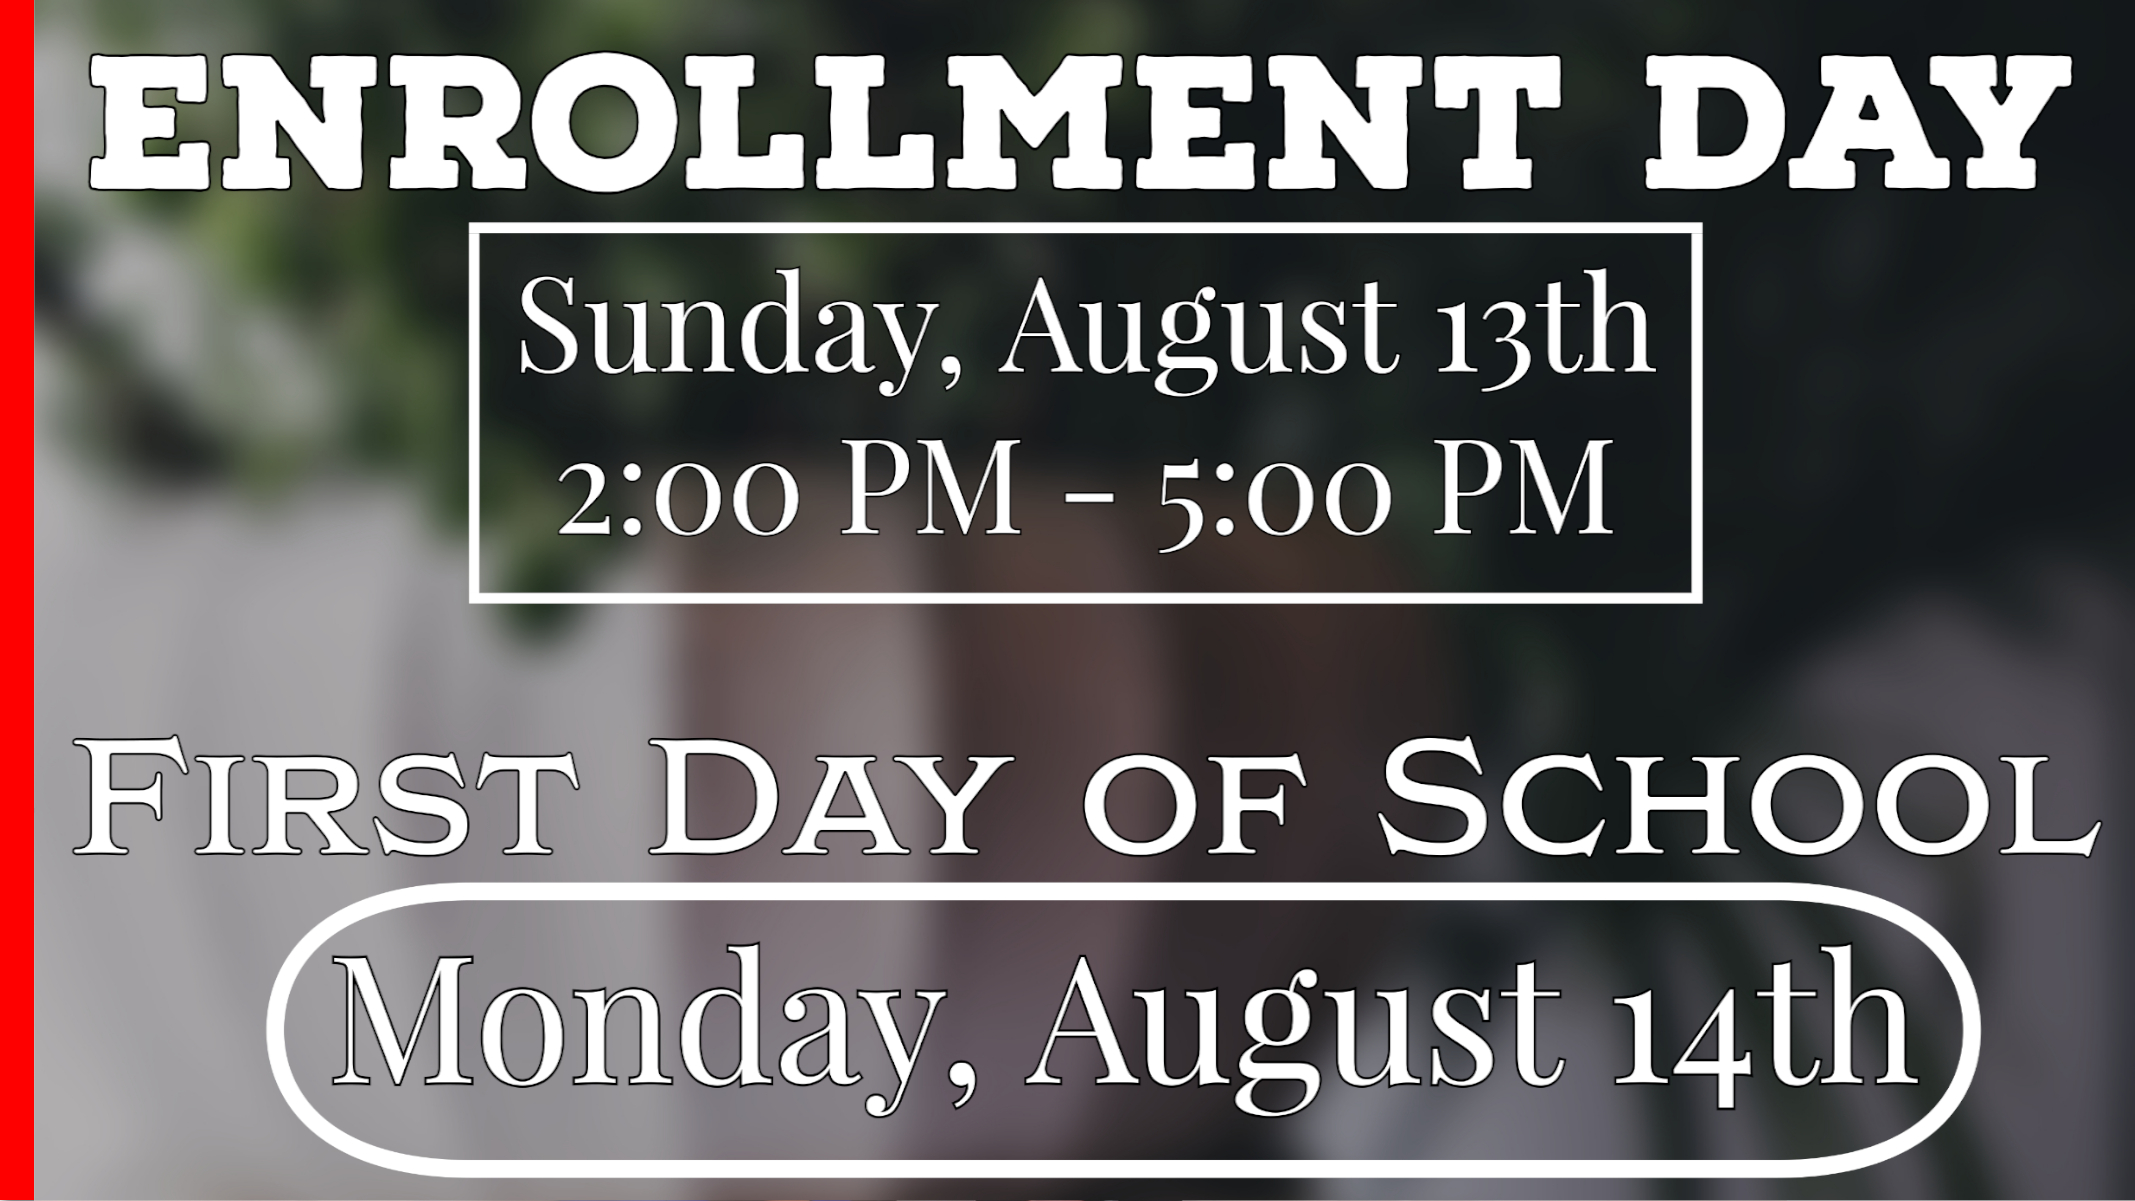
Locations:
{"points": [[251, 519]]}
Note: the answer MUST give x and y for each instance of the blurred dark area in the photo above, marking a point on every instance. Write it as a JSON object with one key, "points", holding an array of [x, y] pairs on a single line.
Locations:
{"points": [[1904, 386]]}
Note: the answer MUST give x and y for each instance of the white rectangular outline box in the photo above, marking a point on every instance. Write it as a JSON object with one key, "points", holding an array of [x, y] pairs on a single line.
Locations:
{"points": [[1694, 230]]}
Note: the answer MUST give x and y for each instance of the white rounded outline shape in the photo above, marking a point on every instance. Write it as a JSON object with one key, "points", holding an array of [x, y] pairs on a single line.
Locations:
{"points": [[1166, 1169]]}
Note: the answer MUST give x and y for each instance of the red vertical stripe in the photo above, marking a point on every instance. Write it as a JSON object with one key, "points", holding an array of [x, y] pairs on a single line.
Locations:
{"points": [[18, 646]]}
